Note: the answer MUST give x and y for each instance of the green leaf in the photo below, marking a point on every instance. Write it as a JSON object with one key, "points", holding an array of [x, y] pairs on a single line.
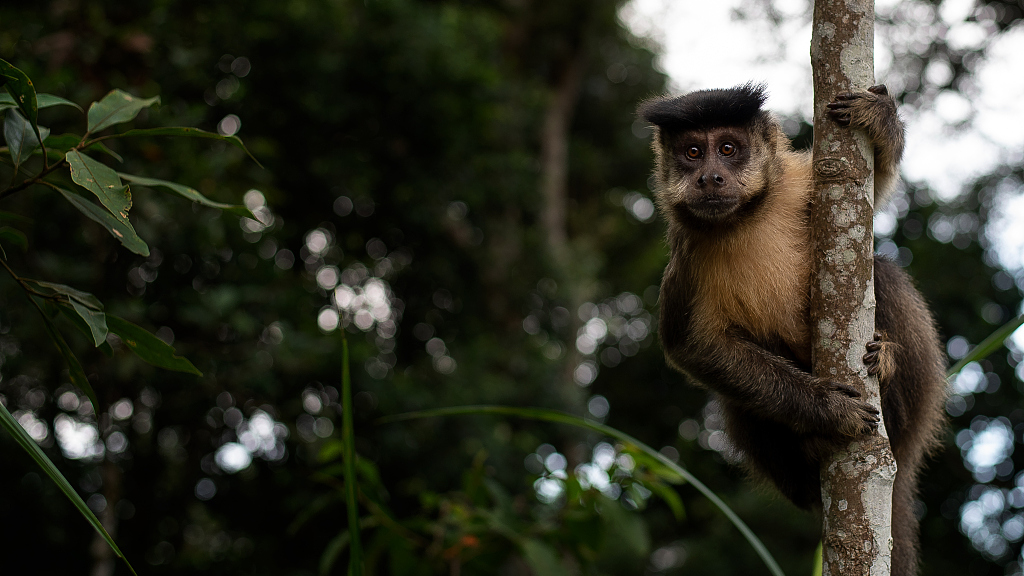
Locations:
{"points": [[52, 288], [20, 87], [191, 133], [116, 107], [653, 466], [626, 531], [27, 444], [148, 347], [563, 418], [103, 148], [186, 192], [993, 342], [94, 319], [65, 142], [542, 558], [48, 100], [42, 101], [85, 305], [13, 236], [75, 371], [76, 320], [61, 142], [101, 181], [315, 507], [14, 217], [123, 231], [21, 137], [331, 552], [670, 496]]}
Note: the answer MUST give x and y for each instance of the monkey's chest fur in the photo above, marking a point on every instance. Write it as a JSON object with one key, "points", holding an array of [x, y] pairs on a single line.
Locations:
{"points": [[753, 278]]}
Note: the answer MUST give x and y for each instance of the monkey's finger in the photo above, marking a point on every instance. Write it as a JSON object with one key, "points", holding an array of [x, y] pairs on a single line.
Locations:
{"points": [[870, 358], [874, 369], [843, 119], [846, 389], [838, 105], [873, 346], [845, 96], [879, 89], [878, 335]]}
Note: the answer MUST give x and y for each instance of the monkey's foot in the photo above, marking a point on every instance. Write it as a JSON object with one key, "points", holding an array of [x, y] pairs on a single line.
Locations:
{"points": [[880, 359], [872, 359]]}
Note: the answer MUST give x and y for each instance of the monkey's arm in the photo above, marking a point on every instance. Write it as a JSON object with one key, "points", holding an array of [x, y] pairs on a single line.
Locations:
{"points": [[874, 111], [755, 379], [772, 387]]}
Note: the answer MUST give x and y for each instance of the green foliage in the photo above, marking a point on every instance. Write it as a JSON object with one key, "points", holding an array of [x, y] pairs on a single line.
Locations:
{"points": [[186, 192], [117, 107], [655, 470], [86, 312], [148, 347]]}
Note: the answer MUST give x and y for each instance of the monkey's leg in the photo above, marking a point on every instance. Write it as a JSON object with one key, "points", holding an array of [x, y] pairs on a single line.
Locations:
{"points": [[770, 387], [874, 111], [912, 398], [914, 394], [773, 451]]}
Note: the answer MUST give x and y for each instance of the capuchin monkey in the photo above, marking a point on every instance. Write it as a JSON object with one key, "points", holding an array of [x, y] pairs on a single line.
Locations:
{"points": [[734, 297]]}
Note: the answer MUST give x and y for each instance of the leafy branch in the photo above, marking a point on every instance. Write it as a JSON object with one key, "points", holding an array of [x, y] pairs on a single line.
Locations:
{"points": [[93, 180]]}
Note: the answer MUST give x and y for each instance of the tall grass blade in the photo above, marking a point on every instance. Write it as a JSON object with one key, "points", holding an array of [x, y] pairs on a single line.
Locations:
{"points": [[351, 489], [7, 422], [988, 345]]}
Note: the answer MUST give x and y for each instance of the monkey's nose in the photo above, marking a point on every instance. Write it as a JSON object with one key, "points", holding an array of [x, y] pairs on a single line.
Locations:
{"points": [[718, 179]]}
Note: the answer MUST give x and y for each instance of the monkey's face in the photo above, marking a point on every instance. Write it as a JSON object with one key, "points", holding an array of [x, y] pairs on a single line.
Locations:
{"points": [[706, 172]]}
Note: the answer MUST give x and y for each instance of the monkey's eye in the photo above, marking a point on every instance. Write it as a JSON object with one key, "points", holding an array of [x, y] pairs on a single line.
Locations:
{"points": [[727, 149], [693, 152]]}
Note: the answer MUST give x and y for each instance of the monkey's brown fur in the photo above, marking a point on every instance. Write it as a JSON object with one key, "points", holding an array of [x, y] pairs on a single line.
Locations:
{"points": [[734, 297]]}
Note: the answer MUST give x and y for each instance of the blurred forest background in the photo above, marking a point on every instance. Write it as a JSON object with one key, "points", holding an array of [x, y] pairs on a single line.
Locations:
{"points": [[465, 181]]}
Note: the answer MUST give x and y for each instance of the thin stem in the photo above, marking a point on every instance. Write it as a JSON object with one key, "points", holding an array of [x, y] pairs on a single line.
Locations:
{"points": [[24, 285], [37, 179]]}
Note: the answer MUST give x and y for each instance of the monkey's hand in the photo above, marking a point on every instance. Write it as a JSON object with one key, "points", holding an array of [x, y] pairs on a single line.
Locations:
{"points": [[842, 412]]}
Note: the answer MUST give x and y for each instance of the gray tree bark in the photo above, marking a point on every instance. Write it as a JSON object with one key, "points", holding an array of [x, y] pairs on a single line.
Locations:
{"points": [[856, 482]]}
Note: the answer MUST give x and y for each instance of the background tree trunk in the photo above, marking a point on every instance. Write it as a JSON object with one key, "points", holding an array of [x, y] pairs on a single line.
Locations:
{"points": [[856, 482]]}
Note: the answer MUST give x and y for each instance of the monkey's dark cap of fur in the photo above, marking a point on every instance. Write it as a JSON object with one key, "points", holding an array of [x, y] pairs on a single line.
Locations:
{"points": [[706, 108]]}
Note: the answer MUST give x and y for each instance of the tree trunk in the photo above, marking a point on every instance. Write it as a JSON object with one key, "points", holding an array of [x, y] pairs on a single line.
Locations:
{"points": [[554, 153], [856, 482]]}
